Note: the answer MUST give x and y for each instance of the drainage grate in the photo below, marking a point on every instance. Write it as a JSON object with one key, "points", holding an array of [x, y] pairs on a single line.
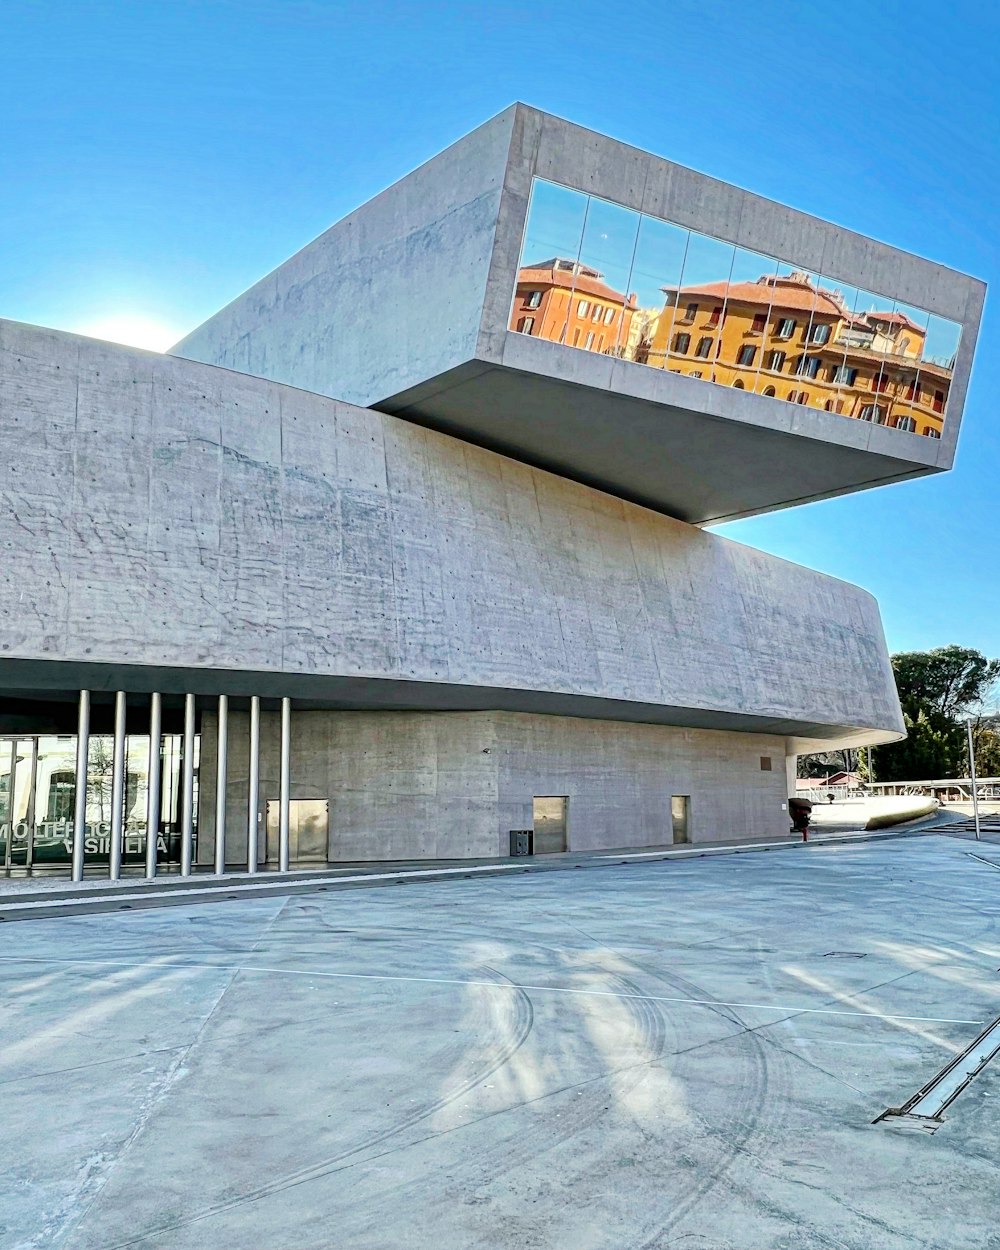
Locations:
{"points": [[925, 1109]]}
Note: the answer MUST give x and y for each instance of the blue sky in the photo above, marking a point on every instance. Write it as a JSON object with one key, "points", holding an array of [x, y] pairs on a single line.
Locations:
{"points": [[158, 157]]}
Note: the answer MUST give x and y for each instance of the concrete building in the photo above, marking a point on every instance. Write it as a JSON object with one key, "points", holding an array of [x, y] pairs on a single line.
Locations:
{"points": [[297, 592]]}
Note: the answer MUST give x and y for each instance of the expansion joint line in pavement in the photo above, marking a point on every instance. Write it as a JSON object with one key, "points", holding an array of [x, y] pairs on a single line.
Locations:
{"points": [[170, 1076]]}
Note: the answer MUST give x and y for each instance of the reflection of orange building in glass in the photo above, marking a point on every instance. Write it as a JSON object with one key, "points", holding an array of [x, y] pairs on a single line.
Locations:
{"points": [[570, 303], [787, 337]]}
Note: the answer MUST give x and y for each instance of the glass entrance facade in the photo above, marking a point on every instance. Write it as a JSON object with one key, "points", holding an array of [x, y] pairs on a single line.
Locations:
{"points": [[38, 792]]}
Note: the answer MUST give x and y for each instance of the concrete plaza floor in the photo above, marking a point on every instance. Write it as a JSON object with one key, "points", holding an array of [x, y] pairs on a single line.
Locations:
{"points": [[684, 1053]]}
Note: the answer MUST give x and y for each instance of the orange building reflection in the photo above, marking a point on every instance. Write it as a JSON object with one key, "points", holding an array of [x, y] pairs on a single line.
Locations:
{"points": [[567, 302], [784, 336]]}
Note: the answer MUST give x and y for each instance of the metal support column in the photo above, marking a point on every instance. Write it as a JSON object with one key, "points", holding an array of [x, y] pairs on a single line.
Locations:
{"points": [[117, 789], [8, 855], [221, 769], [253, 775], [153, 784], [30, 814], [187, 787], [80, 797], [972, 778], [284, 783]]}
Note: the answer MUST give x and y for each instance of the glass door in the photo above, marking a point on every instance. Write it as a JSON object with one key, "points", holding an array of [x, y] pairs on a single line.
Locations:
{"points": [[55, 793]]}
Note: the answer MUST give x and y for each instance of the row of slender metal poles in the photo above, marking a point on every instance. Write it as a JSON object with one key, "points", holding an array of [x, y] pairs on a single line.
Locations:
{"points": [[154, 792]]}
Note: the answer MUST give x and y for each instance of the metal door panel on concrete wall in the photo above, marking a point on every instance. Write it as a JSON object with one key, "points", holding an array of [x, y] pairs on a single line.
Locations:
{"points": [[308, 831], [680, 817], [549, 820]]}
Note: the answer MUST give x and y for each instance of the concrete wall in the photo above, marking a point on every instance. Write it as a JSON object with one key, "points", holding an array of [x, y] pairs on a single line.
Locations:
{"points": [[164, 515], [619, 779], [385, 298], [401, 785], [446, 785]]}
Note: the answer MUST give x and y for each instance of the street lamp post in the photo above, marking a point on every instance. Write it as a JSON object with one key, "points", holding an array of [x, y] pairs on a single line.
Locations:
{"points": [[972, 777]]}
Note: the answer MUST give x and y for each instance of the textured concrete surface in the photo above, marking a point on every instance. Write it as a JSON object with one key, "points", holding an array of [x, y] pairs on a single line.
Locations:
{"points": [[387, 297], [175, 526], [414, 785], [380, 310], [682, 1054]]}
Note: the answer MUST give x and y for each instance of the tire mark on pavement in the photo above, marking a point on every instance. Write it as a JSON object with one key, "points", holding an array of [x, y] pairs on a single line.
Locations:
{"points": [[520, 1028]]}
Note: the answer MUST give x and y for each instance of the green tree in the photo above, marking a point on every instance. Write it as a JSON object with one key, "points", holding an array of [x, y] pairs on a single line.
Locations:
{"points": [[938, 689], [934, 747], [826, 763], [986, 741], [952, 681]]}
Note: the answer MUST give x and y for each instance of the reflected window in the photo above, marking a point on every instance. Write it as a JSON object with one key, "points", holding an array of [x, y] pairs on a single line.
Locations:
{"points": [[600, 277], [738, 385], [62, 791], [930, 432], [696, 373], [906, 423]]}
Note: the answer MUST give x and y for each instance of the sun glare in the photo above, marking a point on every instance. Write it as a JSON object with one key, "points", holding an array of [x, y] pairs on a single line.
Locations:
{"points": [[132, 330]]}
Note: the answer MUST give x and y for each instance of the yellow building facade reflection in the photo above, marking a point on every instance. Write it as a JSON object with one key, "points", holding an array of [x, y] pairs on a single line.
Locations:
{"points": [[567, 302], [790, 338]]}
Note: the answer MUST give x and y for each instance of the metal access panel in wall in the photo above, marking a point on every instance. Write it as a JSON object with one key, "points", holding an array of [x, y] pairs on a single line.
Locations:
{"points": [[308, 830], [680, 817], [549, 819]]}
